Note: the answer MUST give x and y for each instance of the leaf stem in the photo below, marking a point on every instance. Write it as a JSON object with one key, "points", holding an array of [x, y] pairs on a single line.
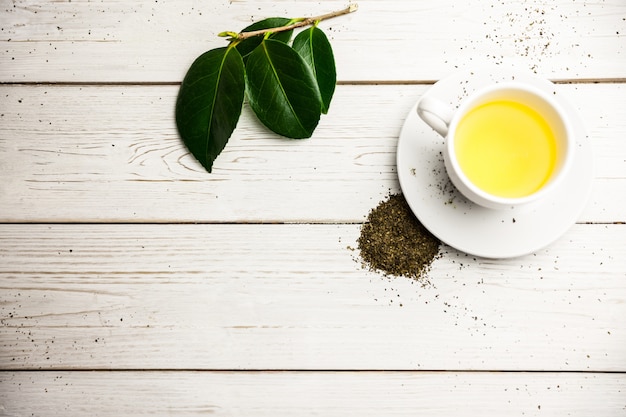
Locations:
{"points": [[308, 21]]}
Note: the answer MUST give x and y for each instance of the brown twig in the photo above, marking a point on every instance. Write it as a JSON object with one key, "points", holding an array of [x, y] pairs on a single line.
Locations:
{"points": [[300, 23]]}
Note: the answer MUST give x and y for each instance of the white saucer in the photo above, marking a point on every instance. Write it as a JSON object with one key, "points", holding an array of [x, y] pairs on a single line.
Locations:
{"points": [[471, 228]]}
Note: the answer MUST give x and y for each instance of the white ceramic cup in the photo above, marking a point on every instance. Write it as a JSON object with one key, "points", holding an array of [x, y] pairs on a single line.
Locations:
{"points": [[444, 119]]}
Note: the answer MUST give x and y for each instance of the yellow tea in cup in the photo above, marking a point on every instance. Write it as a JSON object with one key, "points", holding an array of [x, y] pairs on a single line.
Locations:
{"points": [[506, 145], [506, 148]]}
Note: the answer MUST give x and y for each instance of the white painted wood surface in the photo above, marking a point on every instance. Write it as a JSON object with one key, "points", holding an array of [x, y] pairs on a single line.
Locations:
{"points": [[391, 40], [312, 394], [84, 153], [134, 283], [296, 297]]}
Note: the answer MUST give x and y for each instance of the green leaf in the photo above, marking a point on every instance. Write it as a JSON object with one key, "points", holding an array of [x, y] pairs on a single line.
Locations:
{"points": [[315, 48], [282, 90], [209, 103], [246, 46]]}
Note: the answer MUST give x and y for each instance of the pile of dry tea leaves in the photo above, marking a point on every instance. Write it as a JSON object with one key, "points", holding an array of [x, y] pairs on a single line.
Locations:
{"points": [[394, 242]]}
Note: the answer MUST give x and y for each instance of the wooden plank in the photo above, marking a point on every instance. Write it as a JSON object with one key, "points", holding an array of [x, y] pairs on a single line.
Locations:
{"points": [[112, 154], [147, 41], [274, 394], [296, 297]]}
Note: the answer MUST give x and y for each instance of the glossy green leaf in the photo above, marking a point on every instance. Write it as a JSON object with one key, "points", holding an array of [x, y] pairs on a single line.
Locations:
{"points": [[313, 45], [282, 90], [209, 103], [246, 46]]}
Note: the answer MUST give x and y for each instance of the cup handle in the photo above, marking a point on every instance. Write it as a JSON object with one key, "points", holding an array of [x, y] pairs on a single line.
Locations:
{"points": [[436, 114]]}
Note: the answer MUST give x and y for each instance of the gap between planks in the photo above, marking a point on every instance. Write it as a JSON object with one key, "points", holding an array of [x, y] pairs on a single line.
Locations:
{"points": [[348, 82], [231, 223], [311, 371]]}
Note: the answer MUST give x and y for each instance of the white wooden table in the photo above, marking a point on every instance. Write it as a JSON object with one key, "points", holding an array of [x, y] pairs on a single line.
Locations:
{"points": [[132, 282]]}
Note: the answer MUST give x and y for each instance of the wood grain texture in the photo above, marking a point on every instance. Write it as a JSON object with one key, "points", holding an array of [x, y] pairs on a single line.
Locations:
{"points": [[146, 41], [296, 297], [278, 394], [113, 301], [112, 154]]}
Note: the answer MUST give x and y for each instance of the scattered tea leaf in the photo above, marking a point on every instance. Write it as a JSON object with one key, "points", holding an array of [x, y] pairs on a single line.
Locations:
{"points": [[282, 90], [313, 45], [209, 103]]}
